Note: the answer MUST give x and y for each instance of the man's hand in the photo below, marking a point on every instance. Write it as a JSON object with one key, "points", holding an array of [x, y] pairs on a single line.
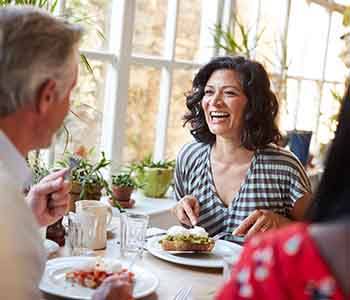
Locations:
{"points": [[49, 199], [187, 210], [259, 221], [114, 287]]}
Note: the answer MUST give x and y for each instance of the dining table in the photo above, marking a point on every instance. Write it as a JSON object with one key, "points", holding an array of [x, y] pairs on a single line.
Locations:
{"points": [[203, 281]]}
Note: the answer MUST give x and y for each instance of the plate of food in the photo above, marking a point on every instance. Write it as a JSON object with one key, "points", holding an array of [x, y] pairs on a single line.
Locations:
{"points": [[77, 277], [192, 247]]}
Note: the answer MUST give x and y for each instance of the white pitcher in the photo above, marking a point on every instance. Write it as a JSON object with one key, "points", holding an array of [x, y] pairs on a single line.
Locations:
{"points": [[103, 213]]}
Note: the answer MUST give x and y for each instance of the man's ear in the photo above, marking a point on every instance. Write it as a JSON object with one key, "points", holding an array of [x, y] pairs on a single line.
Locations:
{"points": [[46, 96]]}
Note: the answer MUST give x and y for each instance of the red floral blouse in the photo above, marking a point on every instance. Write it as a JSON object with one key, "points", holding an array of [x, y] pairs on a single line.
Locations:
{"points": [[282, 265]]}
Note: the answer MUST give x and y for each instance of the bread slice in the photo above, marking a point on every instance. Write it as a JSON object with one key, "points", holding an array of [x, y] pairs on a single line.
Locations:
{"points": [[182, 245]]}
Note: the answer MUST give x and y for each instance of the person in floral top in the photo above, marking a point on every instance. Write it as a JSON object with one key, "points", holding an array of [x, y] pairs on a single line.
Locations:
{"points": [[304, 261]]}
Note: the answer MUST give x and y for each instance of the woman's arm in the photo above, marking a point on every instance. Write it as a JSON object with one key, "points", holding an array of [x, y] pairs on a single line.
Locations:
{"points": [[300, 207]]}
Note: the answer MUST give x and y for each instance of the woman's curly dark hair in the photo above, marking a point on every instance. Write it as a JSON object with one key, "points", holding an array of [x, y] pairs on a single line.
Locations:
{"points": [[259, 121]]}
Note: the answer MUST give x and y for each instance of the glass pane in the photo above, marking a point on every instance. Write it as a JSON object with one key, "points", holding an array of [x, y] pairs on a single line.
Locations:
{"points": [[270, 34], [246, 15], [344, 2], [331, 103], [335, 68], [94, 16], [188, 29], [288, 122], [308, 105], [142, 111], [149, 27], [177, 134], [307, 39], [83, 123]]}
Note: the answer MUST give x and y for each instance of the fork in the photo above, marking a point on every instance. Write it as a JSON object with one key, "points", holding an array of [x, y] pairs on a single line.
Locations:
{"points": [[73, 162], [220, 235], [183, 293]]}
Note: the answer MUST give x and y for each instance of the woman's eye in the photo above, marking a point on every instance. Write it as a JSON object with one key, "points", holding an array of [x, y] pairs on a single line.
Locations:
{"points": [[231, 93], [208, 92]]}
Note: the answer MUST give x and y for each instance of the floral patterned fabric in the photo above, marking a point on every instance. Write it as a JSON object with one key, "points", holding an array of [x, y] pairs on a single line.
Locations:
{"points": [[281, 265]]}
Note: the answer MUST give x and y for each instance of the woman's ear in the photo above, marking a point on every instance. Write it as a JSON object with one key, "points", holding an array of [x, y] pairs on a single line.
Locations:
{"points": [[46, 96]]}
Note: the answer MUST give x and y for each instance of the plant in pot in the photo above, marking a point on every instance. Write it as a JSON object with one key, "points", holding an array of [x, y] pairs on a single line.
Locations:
{"points": [[123, 184], [87, 178], [154, 178]]}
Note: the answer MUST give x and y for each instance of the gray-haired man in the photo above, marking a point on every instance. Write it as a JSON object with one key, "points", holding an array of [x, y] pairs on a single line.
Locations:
{"points": [[38, 70]]}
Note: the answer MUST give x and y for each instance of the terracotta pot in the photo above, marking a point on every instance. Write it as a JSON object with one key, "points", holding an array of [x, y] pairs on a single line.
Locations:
{"points": [[92, 193], [124, 204], [122, 193], [56, 232]]}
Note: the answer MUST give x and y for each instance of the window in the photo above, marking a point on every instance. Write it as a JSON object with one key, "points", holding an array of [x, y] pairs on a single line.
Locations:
{"points": [[134, 102]]}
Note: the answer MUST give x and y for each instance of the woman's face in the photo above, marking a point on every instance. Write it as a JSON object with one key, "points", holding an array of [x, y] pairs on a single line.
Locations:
{"points": [[223, 103]]}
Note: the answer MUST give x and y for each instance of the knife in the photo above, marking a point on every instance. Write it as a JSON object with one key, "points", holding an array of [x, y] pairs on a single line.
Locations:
{"points": [[155, 234]]}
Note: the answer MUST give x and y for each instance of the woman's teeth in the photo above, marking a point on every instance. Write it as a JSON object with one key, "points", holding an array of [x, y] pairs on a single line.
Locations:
{"points": [[217, 114]]}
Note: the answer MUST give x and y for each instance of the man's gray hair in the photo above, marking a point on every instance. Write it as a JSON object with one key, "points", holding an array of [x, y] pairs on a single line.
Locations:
{"points": [[34, 47]]}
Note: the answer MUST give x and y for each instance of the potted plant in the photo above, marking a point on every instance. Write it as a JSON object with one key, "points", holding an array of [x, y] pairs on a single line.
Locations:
{"points": [[39, 169], [154, 178], [87, 179], [123, 184]]}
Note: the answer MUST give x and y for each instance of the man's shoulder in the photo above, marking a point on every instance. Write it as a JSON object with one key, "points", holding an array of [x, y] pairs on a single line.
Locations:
{"points": [[8, 184]]}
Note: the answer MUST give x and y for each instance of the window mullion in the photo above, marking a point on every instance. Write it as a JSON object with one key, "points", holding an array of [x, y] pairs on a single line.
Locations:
{"points": [[255, 32], [166, 81], [61, 7], [297, 105], [210, 18], [50, 153], [228, 10], [117, 82], [323, 78]]}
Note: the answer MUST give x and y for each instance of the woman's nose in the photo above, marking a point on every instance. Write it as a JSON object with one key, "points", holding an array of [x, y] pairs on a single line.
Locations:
{"points": [[217, 97]]}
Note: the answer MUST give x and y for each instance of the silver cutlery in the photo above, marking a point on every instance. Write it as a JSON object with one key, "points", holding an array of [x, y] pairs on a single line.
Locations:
{"points": [[73, 162], [155, 234], [183, 293], [220, 235]]}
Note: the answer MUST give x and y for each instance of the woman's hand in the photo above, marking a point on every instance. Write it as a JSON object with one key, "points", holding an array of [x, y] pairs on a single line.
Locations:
{"points": [[115, 287], [187, 210], [260, 220]]}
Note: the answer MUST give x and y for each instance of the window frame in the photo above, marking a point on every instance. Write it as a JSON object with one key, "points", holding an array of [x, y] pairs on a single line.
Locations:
{"points": [[120, 58]]}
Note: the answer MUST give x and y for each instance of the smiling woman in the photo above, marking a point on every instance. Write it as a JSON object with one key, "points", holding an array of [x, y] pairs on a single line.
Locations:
{"points": [[235, 178]]}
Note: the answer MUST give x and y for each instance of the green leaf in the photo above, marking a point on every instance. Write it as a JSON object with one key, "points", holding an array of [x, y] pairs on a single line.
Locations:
{"points": [[86, 64]]}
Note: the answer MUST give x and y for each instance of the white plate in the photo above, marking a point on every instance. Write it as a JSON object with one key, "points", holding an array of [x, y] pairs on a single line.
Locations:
{"points": [[54, 282], [51, 246], [212, 259]]}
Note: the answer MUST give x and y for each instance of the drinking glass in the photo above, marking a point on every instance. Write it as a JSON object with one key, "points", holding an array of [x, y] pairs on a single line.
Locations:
{"points": [[228, 263], [81, 232], [133, 228]]}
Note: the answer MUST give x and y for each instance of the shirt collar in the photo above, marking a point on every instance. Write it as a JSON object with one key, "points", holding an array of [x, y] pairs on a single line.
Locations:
{"points": [[14, 161]]}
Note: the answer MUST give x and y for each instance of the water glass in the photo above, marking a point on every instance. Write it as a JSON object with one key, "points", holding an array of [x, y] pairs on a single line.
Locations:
{"points": [[228, 263], [133, 228], [81, 232]]}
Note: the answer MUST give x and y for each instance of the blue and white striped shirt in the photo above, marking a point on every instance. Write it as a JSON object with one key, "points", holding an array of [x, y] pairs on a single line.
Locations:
{"points": [[274, 181]]}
